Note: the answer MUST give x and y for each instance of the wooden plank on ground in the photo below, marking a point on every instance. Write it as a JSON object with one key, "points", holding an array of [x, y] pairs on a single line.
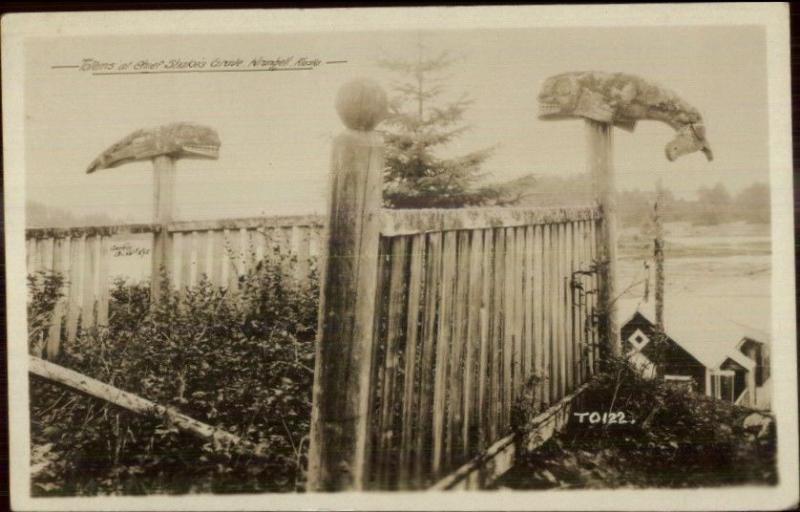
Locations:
{"points": [[80, 383]]}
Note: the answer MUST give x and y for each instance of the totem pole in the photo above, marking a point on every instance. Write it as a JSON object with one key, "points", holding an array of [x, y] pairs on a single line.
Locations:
{"points": [[163, 145], [605, 100]]}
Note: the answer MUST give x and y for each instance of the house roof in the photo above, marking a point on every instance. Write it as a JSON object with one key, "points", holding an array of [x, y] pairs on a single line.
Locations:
{"points": [[705, 342]]}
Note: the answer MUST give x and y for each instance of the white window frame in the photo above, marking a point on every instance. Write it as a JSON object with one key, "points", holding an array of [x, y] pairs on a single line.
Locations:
{"points": [[681, 378], [716, 383]]}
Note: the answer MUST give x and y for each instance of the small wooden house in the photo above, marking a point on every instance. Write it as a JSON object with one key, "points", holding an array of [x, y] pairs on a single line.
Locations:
{"points": [[726, 374]]}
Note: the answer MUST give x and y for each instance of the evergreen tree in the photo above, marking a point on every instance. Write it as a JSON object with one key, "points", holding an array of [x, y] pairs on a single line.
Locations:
{"points": [[421, 122]]}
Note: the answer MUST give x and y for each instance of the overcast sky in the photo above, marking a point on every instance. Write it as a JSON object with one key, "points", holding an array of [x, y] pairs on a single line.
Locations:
{"points": [[276, 128]]}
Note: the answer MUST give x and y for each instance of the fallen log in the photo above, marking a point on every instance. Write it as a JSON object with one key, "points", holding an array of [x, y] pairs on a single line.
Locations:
{"points": [[80, 383]]}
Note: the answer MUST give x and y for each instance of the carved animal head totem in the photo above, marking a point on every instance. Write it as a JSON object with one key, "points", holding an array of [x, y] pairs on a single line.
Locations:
{"points": [[177, 140], [622, 100]]}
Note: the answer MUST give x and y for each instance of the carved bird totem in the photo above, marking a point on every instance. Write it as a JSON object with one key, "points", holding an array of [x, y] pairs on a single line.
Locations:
{"points": [[622, 100], [176, 140]]}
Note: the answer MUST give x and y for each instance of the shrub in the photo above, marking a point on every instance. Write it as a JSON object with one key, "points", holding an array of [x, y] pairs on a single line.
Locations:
{"points": [[240, 360], [673, 437]]}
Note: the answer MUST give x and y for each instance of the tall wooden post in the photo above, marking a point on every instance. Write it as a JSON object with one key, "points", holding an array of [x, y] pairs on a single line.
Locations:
{"points": [[163, 213], [600, 162], [658, 256], [338, 451]]}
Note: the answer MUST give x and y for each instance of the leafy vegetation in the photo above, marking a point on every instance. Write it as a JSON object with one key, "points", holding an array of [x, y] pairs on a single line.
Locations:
{"points": [[673, 438], [241, 361]]}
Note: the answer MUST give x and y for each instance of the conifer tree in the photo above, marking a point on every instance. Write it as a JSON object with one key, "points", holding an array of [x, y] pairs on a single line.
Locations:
{"points": [[420, 124]]}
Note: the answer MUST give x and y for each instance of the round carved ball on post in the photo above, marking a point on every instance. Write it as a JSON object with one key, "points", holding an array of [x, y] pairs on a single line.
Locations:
{"points": [[362, 104]]}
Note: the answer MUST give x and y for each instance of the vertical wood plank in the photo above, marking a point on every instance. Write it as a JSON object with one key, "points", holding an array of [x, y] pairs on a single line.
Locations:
{"points": [[560, 318], [538, 319], [216, 251], [176, 255], [61, 266], [203, 255], [303, 254], [186, 261], [600, 146], [410, 377], [343, 377], [443, 351], [527, 307], [46, 251], [102, 280], [568, 306], [519, 313], [163, 213], [77, 253], [595, 282], [433, 269], [499, 346], [394, 333], [245, 260], [549, 326], [578, 297], [473, 340], [89, 283], [508, 326], [486, 355], [232, 251], [459, 344]]}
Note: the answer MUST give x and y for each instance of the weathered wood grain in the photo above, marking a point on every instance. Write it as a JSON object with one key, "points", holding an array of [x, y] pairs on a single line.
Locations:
{"points": [[342, 378], [410, 412]]}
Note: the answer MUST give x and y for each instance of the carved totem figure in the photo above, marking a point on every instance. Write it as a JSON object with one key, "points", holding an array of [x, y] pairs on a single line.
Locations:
{"points": [[176, 140], [621, 100]]}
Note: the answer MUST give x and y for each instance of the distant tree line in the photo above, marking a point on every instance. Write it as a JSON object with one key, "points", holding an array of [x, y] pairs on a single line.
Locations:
{"points": [[39, 215], [710, 206]]}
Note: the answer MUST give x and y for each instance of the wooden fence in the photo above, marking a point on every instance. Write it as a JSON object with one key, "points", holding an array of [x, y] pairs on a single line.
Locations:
{"points": [[440, 330], [479, 311], [480, 314], [221, 249]]}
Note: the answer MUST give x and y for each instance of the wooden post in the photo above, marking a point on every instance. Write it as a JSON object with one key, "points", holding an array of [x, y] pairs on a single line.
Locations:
{"points": [[602, 170], [338, 451], [163, 212], [658, 256]]}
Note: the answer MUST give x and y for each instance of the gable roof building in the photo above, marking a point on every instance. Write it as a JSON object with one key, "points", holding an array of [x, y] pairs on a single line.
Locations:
{"points": [[712, 368]]}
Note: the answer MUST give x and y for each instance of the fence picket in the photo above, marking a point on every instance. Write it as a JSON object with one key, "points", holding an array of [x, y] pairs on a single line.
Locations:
{"points": [[443, 340], [432, 291], [473, 341], [470, 313], [410, 401], [394, 333]]}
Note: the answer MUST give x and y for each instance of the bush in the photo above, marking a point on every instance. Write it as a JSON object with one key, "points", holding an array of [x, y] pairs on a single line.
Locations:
{"points": [[677, 438], [241, 361]]}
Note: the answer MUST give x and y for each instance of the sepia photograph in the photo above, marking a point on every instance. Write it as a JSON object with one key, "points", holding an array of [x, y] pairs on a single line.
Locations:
{"points": [[471, 258]]}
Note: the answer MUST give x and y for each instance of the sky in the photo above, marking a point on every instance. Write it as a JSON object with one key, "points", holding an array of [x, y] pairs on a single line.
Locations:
{"points": [[276, 127]]}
